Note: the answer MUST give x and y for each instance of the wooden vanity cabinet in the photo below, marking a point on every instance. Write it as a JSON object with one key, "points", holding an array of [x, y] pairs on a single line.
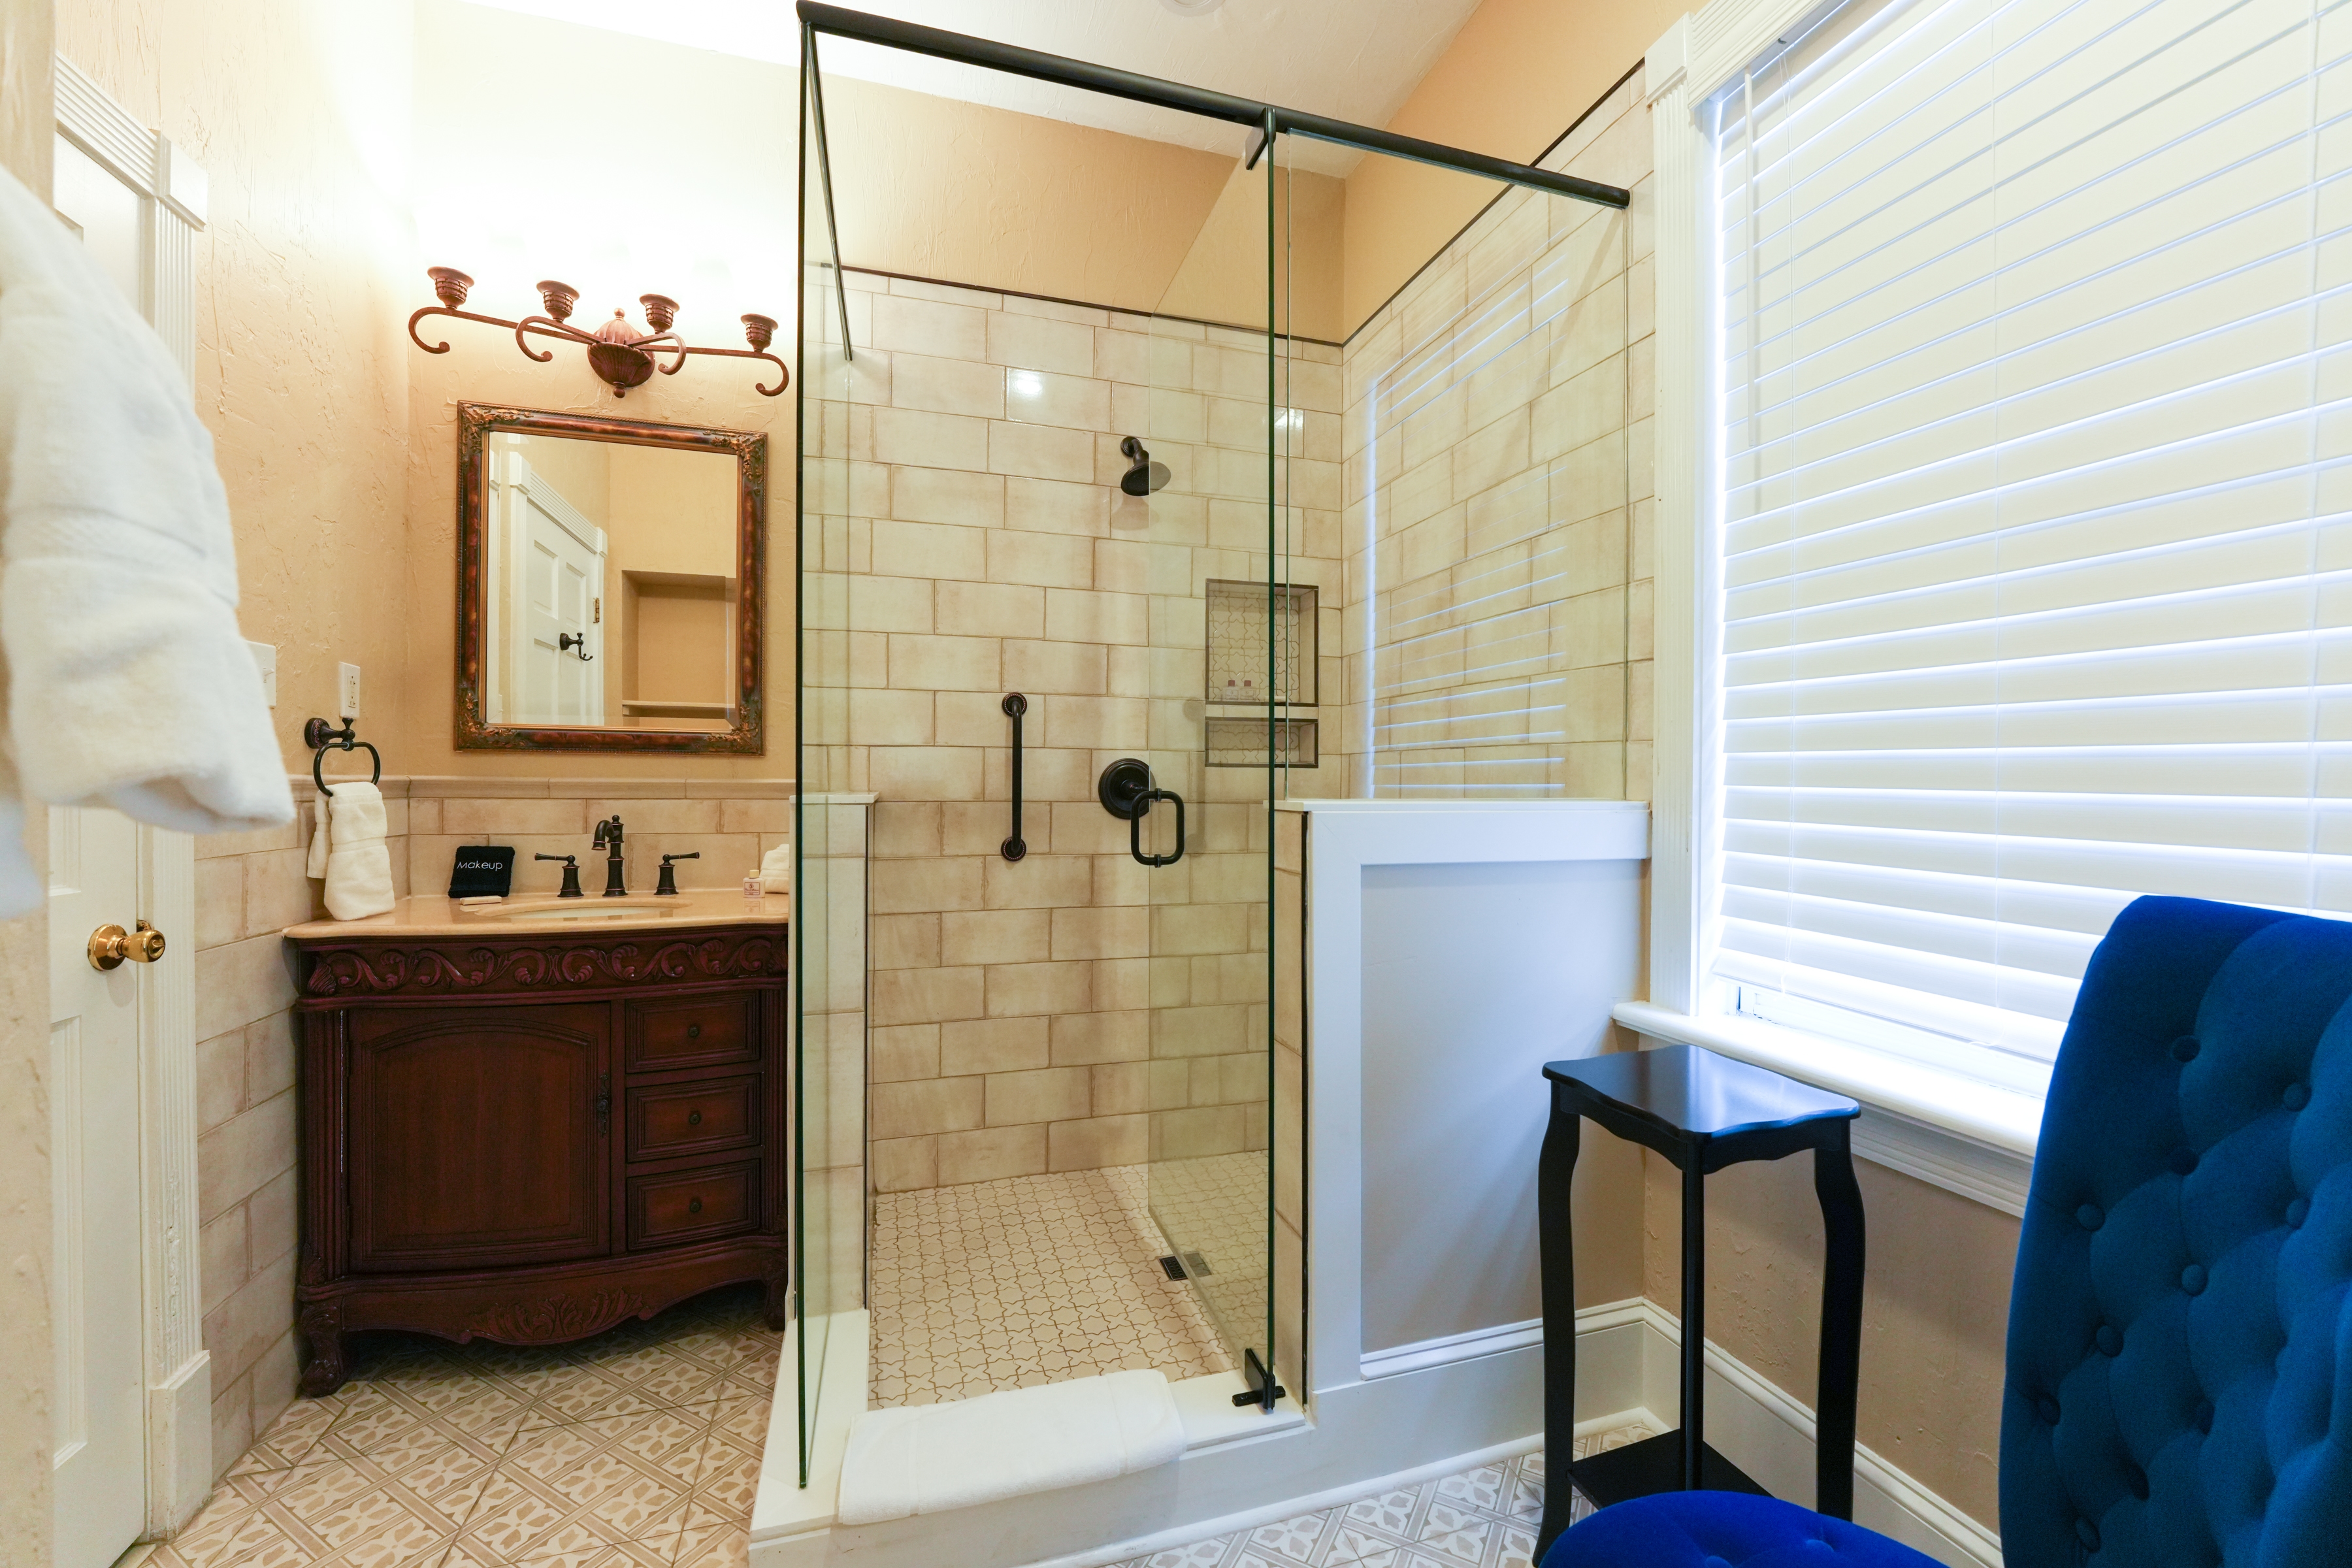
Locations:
{"points": [[531, 1138]]}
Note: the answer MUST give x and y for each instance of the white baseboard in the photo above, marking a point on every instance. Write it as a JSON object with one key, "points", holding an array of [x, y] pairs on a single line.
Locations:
{"points": [[179, 1446], [1416, 1419], [1760, 1427]]}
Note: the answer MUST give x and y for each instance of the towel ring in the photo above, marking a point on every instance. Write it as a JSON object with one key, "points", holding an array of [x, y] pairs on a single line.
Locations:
{"points": [[319, 735]]}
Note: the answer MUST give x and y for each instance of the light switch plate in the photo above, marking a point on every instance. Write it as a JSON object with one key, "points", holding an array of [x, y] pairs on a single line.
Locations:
{"points": [[347, 682], [265, 660]]}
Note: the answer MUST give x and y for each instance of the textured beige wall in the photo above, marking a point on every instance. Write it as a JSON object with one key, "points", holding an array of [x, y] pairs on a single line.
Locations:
{"points": [[1935, 1306], [298, 111], [695, 201], [28, 130], [1518, 74]]}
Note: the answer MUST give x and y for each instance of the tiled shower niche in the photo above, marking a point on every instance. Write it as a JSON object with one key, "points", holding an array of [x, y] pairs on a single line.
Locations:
{"points": [[1238, 676], [1239, 644]]}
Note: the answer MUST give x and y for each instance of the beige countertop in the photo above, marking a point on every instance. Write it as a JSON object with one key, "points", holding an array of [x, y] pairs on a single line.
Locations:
{"points": [[432, 915]]}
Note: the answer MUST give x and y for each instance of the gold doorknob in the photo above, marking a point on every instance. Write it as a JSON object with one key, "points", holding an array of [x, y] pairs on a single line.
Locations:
{"points": [[109, 945]]}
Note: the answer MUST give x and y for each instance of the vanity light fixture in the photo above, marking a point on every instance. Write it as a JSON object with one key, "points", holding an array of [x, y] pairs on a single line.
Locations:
{"points": [[617, 352]]}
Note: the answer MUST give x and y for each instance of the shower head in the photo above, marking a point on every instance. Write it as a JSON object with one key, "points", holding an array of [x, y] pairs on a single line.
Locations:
{"points": [[1145, 476]]}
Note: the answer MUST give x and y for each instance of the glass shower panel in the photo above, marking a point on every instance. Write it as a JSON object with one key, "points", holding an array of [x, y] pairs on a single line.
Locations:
{"points": [[1216, 728], [828, 824], [1493, 410]]}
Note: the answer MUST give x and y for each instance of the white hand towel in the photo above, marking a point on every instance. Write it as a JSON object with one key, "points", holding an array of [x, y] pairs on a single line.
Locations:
{"points": [[932, 1458], [776, 869], [128, 684], [348, 852]]}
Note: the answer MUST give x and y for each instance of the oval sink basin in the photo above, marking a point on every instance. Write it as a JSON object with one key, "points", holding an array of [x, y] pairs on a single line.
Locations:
{"points": [[579, 910]]}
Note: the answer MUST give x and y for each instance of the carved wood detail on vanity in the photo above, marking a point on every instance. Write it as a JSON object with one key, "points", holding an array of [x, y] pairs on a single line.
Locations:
{"points": [[529, 1136]]}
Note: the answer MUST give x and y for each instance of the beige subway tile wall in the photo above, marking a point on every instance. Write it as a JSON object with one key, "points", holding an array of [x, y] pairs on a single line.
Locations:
{"points": [[1018, 1006], [1499, 449]]}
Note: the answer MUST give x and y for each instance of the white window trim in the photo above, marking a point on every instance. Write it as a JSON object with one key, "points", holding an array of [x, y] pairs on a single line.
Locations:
{"points": [[1954, 1131]]}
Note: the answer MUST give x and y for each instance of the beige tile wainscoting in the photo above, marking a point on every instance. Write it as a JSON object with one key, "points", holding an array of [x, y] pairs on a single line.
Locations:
{"points": [[250, 887]]}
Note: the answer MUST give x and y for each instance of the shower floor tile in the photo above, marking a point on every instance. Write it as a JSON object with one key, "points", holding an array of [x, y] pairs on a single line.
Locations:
{"points": [[1026, 1280], [1485, 1517]]}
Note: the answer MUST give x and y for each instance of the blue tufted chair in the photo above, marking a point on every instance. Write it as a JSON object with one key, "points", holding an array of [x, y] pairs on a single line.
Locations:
{"points": [[2179, 1380]]}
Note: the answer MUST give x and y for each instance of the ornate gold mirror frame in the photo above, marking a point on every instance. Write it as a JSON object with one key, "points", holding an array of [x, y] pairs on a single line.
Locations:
{"points": [[476, 423]]}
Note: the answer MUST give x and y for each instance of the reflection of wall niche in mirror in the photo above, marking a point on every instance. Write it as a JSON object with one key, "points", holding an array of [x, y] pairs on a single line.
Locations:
{"points": [[609, 583]]}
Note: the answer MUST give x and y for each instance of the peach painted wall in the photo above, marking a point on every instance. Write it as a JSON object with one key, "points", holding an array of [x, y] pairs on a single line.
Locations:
{"points": [[1518, 74], [28, 121], [937, 188]]}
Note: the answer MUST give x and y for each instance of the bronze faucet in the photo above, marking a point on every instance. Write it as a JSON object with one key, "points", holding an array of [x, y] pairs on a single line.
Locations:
{"points": [[608, 834]]}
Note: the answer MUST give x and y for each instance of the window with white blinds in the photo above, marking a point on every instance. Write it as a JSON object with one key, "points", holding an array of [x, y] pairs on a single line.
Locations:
{"points": [[2035, 539]]}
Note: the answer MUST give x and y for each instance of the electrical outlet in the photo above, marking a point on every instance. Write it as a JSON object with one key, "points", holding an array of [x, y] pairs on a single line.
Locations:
{"points": [[265, 660], [347, 682]]}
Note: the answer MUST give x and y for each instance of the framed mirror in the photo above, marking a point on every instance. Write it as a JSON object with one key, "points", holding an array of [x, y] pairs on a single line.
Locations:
{"points": [[609, 583]]}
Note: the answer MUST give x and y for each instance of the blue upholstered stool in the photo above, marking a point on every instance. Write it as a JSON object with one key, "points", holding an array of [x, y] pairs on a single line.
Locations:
{"points": [[2179, 1378]]}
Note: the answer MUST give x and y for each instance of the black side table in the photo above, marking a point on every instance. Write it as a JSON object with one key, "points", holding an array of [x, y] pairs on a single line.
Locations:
{"points": [[1703, 1112]]}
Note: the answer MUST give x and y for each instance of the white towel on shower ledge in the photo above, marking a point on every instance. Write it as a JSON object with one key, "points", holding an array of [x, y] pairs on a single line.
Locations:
{"points": [[348, 851], [928, 1459], [127, 683]]}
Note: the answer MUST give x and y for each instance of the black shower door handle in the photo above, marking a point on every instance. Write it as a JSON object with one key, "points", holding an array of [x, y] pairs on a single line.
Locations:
{"points": [[1135, 826]]}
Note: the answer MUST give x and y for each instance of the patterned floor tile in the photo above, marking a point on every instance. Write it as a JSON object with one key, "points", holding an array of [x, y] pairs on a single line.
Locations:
{"points": [[621, 1451], [1481, 1518]]}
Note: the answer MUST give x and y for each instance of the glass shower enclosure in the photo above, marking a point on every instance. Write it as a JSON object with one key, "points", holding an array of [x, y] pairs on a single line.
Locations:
{"points": [[1070, 607]]}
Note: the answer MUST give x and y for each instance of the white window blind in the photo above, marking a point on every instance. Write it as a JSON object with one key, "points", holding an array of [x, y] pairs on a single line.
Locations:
{"points": [[2036, 520]]}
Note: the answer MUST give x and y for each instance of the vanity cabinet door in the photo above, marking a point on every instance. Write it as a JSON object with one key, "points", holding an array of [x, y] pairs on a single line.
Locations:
{"points": [[479, 1136]]}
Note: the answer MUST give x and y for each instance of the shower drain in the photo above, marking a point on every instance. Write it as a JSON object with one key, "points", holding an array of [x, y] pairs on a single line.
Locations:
{"points": [[1191, 1266]]}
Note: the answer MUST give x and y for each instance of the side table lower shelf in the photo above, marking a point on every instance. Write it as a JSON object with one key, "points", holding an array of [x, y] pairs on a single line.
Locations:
{"points": [[1653, 1464]]}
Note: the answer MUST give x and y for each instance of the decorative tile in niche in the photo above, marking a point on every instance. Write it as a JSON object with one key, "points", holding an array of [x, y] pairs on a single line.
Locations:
{"points": [[1242, 646], [1243, 742]]}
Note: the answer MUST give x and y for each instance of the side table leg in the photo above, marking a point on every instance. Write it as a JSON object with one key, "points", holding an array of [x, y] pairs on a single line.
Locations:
{"points": [[1841, 1201], [1562, 1139], [1694, 1347]]}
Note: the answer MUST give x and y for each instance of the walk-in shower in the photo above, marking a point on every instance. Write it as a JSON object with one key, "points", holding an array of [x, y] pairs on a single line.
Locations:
{"points": [[1293, 470]]}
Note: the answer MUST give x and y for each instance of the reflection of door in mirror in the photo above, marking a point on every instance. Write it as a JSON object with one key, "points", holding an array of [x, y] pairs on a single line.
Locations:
{"points": [[552, 555], [611, 585]]}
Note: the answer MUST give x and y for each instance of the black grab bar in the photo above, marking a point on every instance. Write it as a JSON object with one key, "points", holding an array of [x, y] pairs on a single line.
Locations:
{"points": [[1015, 705]]}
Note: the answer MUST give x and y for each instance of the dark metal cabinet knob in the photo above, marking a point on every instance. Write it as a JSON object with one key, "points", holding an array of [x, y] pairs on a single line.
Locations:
{"points": [[694, 1119], [694, 1031], [694, 1206]]}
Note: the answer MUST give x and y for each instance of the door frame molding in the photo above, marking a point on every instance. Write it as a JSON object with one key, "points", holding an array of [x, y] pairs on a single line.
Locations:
{"points": [[178, 1370]]}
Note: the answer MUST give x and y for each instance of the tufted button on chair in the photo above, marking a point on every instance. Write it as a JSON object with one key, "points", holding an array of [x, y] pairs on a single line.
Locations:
{"points": [[2179, 1380]]}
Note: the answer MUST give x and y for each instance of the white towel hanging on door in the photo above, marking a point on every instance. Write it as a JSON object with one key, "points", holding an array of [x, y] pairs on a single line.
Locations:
{"points": [[127, 682]]}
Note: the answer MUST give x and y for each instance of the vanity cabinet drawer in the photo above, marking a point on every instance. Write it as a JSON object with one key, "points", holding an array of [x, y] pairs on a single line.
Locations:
{"points": [[688, 1205], [669, 1120], [690, 1032]]}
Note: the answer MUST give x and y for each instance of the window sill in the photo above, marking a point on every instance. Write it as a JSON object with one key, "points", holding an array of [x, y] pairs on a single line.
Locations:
{"points": [[1964, 1136]]}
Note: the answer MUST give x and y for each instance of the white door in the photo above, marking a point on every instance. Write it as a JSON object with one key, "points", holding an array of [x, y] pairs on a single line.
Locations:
{"points": [[559, 635], [94, 1115], [98, 1105]]}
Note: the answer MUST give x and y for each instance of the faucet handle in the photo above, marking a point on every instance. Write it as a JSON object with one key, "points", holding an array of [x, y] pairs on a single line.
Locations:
{"points": [[571, 874], [668, 886]]}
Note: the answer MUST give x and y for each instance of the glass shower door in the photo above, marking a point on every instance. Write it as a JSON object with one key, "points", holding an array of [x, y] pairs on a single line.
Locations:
{"points": [[1206, 876]]}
